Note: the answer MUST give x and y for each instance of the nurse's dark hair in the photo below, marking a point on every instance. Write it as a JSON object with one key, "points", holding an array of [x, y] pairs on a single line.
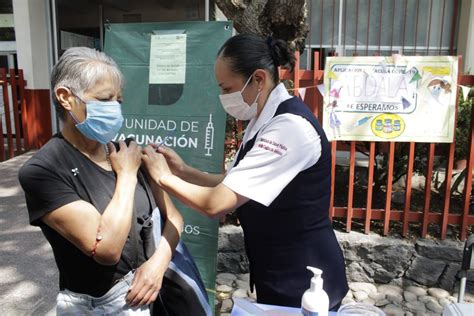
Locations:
{"points": [[249, 52]]}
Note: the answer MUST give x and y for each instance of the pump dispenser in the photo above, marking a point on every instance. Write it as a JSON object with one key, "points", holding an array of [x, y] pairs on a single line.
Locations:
{"points": [[315, 301]]}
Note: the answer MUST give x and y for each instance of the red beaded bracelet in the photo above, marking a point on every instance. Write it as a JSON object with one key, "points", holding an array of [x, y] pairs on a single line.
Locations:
{"points": [[98, 238]]}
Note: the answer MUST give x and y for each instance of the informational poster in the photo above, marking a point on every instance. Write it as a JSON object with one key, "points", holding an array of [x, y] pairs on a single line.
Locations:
{"points": [[397, 98], [167, 66], [170, 96], [168, 59]]}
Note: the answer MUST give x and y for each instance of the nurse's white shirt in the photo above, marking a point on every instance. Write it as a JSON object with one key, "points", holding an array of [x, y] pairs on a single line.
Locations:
{"points": [[285, 145]]}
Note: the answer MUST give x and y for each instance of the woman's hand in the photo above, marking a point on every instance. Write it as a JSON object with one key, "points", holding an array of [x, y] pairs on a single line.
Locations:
{"points": [[175, 163], [155, 163], [146, 284], [127, 160]]}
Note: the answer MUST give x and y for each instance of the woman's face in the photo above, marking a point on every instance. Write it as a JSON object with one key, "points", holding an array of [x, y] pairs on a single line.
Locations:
{"points": [[230, 81], [103, 90]]}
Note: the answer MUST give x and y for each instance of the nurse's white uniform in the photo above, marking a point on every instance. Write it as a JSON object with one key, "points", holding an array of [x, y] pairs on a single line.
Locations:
{"points": [[285, 145]]}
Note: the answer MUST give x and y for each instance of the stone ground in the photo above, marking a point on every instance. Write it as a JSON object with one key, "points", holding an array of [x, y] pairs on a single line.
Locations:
{"points": [[392, 299], [28, 274]]}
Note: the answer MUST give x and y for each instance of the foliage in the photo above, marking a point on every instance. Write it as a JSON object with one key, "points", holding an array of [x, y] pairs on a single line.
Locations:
{"points": [[231, 138], [400, 164], [463, 132], [463, 127]]}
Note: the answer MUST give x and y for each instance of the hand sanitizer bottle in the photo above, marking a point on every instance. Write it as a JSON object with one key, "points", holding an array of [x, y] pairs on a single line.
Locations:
{"points": [[315, 301]]}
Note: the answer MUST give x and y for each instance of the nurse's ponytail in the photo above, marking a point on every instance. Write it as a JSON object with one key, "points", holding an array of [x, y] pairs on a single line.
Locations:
{"points": [[249, 52], [280, 53]]}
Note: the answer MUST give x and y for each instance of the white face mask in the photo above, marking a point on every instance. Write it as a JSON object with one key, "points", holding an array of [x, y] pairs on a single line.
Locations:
{"points": [[234, 104]]}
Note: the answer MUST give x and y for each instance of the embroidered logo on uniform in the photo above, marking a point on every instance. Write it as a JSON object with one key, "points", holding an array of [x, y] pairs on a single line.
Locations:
{"points": [[272, 146], [75, 172]]}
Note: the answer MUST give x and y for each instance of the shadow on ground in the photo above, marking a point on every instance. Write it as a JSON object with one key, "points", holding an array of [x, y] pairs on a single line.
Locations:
{"points": [[28, 273]]}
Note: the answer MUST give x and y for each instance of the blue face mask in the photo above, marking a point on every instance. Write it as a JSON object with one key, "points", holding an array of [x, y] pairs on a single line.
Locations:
{"points": [[103, 121]]}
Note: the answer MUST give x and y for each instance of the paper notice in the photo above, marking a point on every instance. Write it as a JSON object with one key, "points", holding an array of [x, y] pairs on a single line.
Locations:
{"points": [[168, 59]]}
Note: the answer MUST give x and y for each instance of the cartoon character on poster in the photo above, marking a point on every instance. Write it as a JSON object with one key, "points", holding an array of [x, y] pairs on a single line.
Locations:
{"points": [[439, 89], [334, 121], [436, 85]]}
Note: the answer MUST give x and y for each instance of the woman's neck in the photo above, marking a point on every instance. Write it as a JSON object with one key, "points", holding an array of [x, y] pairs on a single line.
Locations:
{"points": [[93, 150], [88, 147]]}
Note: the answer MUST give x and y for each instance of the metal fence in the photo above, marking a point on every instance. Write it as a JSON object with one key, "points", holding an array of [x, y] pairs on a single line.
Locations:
{"points": [[384, 27], [13, 136], [389, 218]]}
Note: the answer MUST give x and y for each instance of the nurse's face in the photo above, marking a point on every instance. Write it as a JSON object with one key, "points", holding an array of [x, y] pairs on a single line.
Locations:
{"points": [[230, 81]]}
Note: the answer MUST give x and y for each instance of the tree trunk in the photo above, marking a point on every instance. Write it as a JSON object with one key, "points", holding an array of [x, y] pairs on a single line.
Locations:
{"points": [[282, 19]]}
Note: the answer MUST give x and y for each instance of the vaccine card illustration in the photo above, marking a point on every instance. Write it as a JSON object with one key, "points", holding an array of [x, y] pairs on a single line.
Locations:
{"points": [[167, 67]]}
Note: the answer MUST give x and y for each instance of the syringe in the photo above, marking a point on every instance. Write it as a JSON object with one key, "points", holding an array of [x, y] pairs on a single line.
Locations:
{"points": [[164, 139], [209, 143], [162, 142]]}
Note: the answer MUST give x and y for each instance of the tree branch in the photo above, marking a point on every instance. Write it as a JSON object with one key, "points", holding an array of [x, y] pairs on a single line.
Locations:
{"points": [[283, 19]]}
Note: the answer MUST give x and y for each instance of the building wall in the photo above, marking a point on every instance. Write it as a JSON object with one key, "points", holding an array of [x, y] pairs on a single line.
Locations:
{"points": [[466, 36], [33, 53], [33, 32], [73, 15], [162, 11]]}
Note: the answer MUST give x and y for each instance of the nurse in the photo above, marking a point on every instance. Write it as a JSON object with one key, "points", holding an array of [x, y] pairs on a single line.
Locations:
{"points": [[279, 181]]}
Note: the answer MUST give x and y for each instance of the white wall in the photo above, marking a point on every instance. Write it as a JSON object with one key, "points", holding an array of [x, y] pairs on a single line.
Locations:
{"points": [[32, 42], [466, 35]]}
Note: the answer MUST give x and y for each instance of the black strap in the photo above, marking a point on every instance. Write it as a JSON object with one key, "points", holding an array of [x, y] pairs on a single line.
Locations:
{"points": [[158, 307], [142, 179], [146, 222], [134, 238]]}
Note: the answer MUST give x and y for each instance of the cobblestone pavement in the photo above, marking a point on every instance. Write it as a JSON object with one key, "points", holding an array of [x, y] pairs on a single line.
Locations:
{"points": [[392, 299]]}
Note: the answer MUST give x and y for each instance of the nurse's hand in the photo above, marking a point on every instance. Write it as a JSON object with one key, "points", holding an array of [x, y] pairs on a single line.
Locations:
{"points": [[155, 163], [175, 163]]}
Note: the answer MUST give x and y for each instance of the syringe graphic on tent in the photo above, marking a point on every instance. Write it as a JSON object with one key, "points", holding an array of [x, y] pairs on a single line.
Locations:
{"points": [[209, 143]]}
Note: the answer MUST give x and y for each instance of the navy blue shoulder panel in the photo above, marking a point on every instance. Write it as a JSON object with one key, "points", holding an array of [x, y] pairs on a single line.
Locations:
{"points": [[298, 107]]}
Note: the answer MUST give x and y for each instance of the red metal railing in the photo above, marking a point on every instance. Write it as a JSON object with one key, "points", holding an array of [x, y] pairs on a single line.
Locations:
{"points": [[12, 136], [387, 215], [429, 38]]}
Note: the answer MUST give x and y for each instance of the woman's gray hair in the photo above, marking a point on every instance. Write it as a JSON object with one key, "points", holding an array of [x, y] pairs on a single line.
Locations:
{"points": [[79, 69]]}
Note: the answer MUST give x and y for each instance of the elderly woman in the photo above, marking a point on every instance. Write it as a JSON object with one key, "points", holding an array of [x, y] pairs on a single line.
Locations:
{"points": [[94, 205]]}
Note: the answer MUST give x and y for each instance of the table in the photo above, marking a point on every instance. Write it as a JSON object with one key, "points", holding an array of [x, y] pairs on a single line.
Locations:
{"points": [[243, 307]]}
